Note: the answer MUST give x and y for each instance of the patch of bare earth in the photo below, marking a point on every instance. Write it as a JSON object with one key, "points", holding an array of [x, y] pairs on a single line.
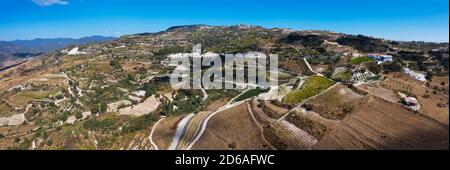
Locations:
{"points": [[272, 110], [387, 94], [134, 66], [336, 103], [148, 106], [165, 131], [282, 134], [216, 104], [434, 105], [311, 122], [140, 142], [434, 102], [12, 132], [440, 83], [20, 73], [379, 124], [295, 65], [231, 129]]}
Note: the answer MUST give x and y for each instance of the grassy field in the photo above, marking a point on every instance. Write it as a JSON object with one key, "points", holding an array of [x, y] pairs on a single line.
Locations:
{"points": [[5, 110], [312, 86], [359, 60], [343, 76]]}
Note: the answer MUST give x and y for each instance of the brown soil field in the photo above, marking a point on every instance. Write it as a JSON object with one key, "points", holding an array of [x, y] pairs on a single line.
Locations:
{"points": [[140, 141], [397, 84], [336, 103], [313, 128], [231, 129], [272, 110], [12, 132], [440, 83], [426, 97], [378, 124], [320, 67], [387, 94], [296, 66], [69, 62], [165, 131], [134, 66], [216, 105], [430, 106], [311, 122], [282, 134], [18, 74]]}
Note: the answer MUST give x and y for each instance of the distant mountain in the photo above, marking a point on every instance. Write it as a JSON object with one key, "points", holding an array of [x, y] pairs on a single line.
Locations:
{"points": [[12, 50], [41, 45]]}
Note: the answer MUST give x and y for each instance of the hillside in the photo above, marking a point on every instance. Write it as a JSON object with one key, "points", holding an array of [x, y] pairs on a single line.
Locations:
{"points": [[19, 49], [116, 94]]}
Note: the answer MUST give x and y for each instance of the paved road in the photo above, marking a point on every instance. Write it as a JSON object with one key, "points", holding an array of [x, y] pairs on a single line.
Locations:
{"points": [[180, 131], [192, 127]]}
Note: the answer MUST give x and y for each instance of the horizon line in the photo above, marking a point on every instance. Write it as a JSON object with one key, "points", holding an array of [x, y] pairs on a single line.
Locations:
{"points": [[166, 29]]}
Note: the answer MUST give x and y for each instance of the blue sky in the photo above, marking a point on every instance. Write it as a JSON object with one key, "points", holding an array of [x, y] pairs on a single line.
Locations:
{"points": [[425, 20]]}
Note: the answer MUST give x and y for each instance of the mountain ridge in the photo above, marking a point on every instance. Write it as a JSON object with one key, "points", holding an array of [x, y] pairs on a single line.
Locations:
{"points": [[10, 51], [39, 45]]}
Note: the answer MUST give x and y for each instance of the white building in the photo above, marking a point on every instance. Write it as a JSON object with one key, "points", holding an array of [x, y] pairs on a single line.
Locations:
{"points": [[417, 76]]}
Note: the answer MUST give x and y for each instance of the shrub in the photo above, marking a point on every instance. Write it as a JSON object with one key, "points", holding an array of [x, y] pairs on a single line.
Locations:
{"points": [[64, 116], [392, 67], [248, 94], [308, 107], [94, 124], [49, 143], [140, 123], [363, 43], [347, 108], [232, 145], [17, 139], [78, 115]]}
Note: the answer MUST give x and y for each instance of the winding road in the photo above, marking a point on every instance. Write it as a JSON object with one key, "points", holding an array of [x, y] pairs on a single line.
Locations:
{"points": [[192, 127], [150, 137]]}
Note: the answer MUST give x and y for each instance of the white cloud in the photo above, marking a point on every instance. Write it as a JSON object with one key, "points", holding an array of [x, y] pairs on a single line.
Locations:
{"points": [[50, 2]]}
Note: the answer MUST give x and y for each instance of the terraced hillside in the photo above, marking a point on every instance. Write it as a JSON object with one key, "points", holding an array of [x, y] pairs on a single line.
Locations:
{"points": [[382, 125], [117, 94]]}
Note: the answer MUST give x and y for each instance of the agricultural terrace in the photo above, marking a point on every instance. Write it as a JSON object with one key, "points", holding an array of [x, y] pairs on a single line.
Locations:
{"points": [[313, 85], [248, 94]]}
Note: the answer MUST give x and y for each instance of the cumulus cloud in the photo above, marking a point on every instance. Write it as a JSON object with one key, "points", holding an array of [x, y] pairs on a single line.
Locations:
{"points": [[50, 2]]}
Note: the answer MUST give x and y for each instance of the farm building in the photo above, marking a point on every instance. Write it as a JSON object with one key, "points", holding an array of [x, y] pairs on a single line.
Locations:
{"points": [[381, 58]]}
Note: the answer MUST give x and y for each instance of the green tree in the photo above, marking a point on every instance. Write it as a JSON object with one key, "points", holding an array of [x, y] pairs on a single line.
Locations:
{"points": [[78, 115]]}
